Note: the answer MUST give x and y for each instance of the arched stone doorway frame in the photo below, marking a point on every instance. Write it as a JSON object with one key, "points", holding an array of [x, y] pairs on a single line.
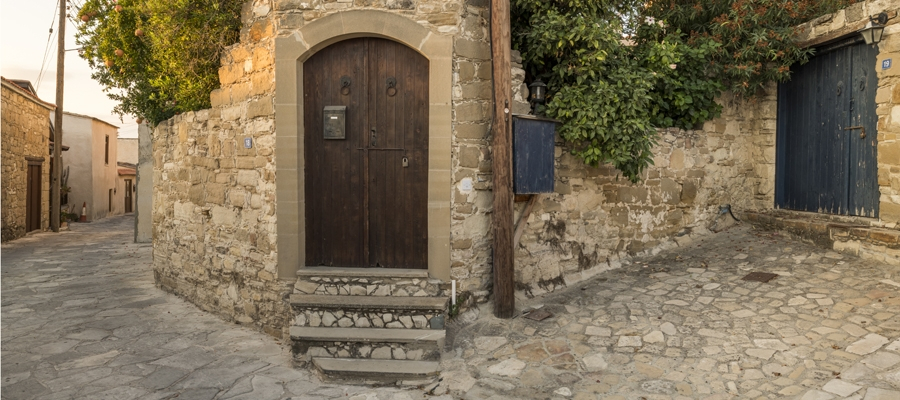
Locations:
{"points": [[290, 54]]}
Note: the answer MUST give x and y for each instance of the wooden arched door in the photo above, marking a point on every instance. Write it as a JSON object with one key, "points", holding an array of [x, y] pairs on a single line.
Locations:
{"points": [[367, 186]]}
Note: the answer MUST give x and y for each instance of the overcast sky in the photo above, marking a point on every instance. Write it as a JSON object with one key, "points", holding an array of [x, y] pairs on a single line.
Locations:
{"points": [[24, 28]]}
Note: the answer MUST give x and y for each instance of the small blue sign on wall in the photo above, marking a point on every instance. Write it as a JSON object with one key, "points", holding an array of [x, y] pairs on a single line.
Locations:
{"points": [[886, 63], [248, 143]]}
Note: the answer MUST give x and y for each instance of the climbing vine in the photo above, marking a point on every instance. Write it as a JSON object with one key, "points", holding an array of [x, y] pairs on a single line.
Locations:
{"points": [[157, 58], [617, 70]]}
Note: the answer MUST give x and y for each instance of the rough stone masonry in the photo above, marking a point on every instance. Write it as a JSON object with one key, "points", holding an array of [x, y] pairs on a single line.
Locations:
{"points": [[216, 238]]}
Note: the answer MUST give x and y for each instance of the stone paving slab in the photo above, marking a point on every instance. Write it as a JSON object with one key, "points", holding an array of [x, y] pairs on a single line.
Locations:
{"points": [[81, 319], [684, 325]]}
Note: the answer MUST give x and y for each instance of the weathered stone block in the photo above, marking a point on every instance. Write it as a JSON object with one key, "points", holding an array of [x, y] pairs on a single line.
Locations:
{"points": [[220, 97], [248, 178], [889, 212], [262, 83], [261, 29], [469, 157], [472, 49], [229, 74], [240, 92], [889, 153], [471, 112], [264, 106], [688, 192], [632, 194], [471, 131]]}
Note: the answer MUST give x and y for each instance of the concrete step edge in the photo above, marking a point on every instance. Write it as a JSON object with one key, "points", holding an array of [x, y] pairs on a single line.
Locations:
{"points": [[368, 302], [373, 273], [367, 335], [382, 370]]}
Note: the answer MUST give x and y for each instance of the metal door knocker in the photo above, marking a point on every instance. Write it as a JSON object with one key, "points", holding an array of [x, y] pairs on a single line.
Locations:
{"points": [[840, 88], [345, 85], [391, 86]]}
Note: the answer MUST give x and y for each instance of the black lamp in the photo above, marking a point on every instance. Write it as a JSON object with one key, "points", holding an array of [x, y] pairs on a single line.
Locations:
{"points": [[538, 93], [874, 29]]}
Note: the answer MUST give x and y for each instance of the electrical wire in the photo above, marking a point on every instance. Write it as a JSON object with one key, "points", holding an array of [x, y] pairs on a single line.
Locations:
{"points": [[47, 47]]}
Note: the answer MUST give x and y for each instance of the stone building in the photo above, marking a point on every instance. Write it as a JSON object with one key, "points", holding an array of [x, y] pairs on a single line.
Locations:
{"points": [[326, 156], [91, 166], [26, 160]]}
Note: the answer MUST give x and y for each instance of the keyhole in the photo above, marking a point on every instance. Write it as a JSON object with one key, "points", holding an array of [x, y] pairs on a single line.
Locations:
{"points": [[405, 162]]}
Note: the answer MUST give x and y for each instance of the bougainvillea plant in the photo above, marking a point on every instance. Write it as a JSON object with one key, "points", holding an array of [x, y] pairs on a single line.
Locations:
{"points": [[157, 58]]}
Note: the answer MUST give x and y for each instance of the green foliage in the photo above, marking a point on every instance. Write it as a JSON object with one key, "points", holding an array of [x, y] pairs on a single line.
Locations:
{"points": [[601, 86], [755, 38], [157, 58], [616, 70]]}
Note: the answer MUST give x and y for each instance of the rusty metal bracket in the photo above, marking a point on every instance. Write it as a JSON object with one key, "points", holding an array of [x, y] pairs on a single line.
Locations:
{"points": [[862, 134]]}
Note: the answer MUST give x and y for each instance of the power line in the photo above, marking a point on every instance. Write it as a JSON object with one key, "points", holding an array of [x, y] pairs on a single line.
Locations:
{"points": [[47, 47]]}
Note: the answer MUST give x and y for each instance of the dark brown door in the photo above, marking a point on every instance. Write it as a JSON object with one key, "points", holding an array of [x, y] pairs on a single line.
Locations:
{"points": [[33, 197], [128, 197], [366, 194]]}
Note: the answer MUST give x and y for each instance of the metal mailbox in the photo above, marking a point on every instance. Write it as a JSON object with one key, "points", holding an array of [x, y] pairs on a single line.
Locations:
{"points": [[335, 122], [533, 154]]}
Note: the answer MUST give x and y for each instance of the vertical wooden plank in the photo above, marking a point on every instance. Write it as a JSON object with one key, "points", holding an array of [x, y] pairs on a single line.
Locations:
{"points": [[863, 196], [815, 153], [504, 285], [399, 198], [333, 167]]}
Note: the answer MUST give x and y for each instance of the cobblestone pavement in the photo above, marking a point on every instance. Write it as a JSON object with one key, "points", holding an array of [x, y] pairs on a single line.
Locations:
{"points": [[81, 319], [684, 325]]}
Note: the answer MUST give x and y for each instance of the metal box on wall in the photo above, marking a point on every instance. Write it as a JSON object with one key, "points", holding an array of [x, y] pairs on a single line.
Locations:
{"points": [[533, 150]]}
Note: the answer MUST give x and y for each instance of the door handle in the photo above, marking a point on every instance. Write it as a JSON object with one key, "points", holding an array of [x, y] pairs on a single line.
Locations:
{"points": [[374, 138], [862, 130]]}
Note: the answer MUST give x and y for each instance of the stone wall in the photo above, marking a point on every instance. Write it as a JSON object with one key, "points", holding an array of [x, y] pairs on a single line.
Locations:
{"points": [[596, 220], [215, 237], [214, 198], [26, 131], [143, 210]]}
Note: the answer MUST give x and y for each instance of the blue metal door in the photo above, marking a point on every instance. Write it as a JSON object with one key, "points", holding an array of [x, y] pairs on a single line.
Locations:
{"points": [[826, 134]]}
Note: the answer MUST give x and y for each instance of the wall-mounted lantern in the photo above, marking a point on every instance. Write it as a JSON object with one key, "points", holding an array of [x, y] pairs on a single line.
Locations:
{"points": [[874, 29], [538, 94]]}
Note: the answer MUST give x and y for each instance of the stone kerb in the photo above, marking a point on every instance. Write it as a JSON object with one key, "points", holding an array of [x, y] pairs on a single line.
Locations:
{"points": [[294, 48]]}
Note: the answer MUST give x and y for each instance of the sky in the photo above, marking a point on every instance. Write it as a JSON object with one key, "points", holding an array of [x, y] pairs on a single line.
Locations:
{"points": [[24, 30]]}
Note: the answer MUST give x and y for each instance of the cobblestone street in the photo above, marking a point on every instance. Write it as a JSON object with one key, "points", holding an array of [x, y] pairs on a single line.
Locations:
{"points": [[81, 318], [683, 324]]}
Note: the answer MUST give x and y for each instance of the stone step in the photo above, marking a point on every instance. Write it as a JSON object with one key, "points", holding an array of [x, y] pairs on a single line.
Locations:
{"points": [[368, 311], [375, 370], [369, 302], [369, 282], [372, 343], [372, 273]]}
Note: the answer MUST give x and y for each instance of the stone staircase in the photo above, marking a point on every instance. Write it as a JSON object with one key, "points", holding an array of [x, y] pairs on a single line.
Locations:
{"points": [[366, 324]]}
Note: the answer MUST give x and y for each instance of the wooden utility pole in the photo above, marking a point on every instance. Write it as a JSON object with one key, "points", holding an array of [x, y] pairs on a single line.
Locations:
{"points": [[56, 171], [504, 262]]}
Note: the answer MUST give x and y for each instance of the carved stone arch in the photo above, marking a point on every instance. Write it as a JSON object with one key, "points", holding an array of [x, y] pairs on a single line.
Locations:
{"points": [[290, 53]]}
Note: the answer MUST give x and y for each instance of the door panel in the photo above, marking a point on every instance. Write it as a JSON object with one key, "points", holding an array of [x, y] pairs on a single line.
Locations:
{"points": [[821, 165], [334, 168], [863, 188], [33, 198], [128, 195], [363, 207], [398, 201]]}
